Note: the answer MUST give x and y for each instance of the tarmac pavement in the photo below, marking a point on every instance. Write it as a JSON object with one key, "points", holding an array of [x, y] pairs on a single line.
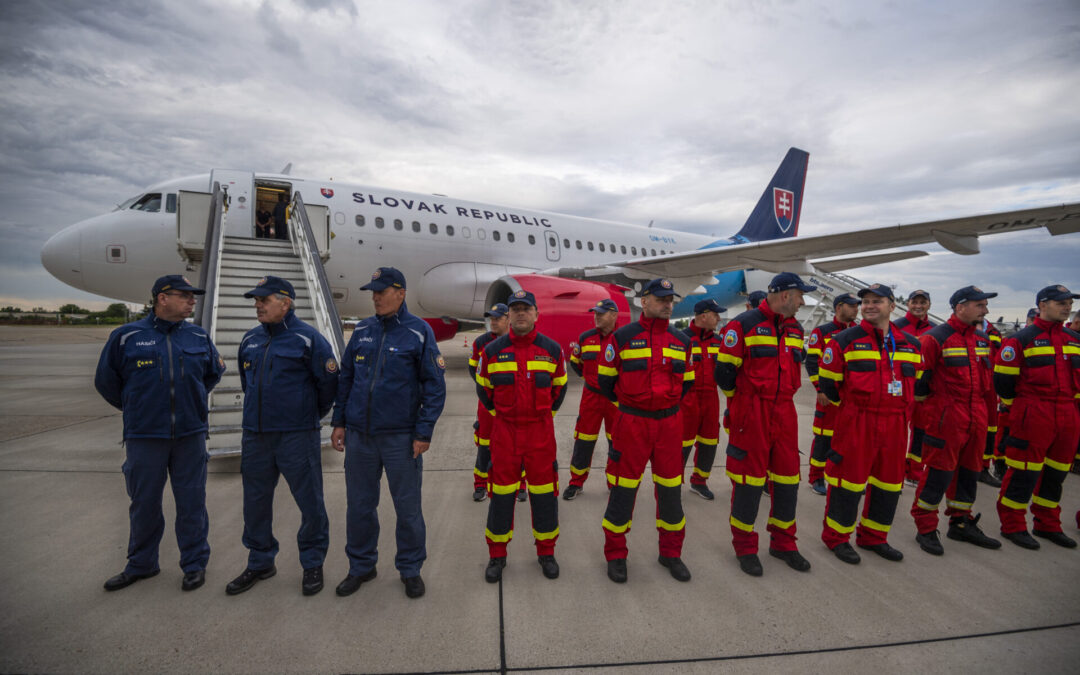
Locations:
{"points": [[64, 532]]}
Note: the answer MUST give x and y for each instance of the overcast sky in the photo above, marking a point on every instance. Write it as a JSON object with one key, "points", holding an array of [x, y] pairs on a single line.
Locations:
{"points": [[676, 112]]}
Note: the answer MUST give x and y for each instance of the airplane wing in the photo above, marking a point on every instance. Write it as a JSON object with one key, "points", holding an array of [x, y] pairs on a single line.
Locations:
{"points": [[959, 235]]}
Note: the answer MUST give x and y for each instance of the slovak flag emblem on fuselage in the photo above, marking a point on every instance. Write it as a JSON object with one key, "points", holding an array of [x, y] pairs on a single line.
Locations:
{"points": [[783, 208], [326, 192]]}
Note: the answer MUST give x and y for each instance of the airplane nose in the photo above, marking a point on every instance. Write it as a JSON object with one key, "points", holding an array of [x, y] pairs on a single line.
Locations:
{"points": [[61, 256]]}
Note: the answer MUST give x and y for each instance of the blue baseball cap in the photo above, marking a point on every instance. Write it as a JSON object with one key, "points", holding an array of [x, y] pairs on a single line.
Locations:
{"points": [[878, 289], [174, 282], [915, 294], [660, 288], [1055, 292], [384, 278], [709, 305], [521, 298], [269, 285], [1032, 313], [847, 298], [605, 305], [497, 310], [969, 294], [786, 281], [756, 297]]}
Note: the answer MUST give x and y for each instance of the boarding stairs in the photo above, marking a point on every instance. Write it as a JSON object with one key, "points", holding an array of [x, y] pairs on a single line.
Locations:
{"points": [[232, 266]]}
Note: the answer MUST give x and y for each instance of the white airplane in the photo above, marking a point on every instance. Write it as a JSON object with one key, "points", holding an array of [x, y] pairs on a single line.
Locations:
{"points": [[460, 257]]}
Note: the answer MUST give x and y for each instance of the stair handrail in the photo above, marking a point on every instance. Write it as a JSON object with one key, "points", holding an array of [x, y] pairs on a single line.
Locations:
{"points": [[326, 315], [210, 269]]}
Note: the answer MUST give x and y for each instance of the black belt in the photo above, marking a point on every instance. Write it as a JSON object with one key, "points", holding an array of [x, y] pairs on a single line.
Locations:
{"points": [[594, 390], [651, 414]]}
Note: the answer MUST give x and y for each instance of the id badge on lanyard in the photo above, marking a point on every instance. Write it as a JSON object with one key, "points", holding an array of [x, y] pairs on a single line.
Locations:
{"points": [[895, 387]]}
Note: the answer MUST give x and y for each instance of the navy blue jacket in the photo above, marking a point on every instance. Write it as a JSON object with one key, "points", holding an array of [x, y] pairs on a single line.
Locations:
{"points": [[289, 376], [159, 373], [391, 378]]}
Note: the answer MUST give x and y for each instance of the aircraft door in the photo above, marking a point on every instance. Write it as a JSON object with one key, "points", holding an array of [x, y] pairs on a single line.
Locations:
{"points": [[192, 212], [239, 201], [551, 244]]}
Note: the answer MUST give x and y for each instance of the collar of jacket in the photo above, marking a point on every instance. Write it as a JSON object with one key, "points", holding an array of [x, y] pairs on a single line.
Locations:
{"points": [[394, 318], [656, 325], [841, 324], [163, 325], [877, 335], [282, 326], [769, 313], [1048, 326], [703, 334], [522, 340], [959, 326], [915, 321]]}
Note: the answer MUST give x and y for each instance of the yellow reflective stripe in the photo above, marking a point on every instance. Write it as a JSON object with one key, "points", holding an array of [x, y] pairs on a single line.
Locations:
{"points": [[793, 342], [579, 472], [746, 480], [506, 367], [814, 351], [1006, 370], [606, 370], [510, 489], [847, 485], [753, 340], [499, 538], [814, 378], [963, 506], [699, 472], [1060, 466], [473, 362], [905, 356], [914, 457], [642, 353], [616, 529], [483, 381], [542, 536], [1071, 349], [540, 365], [830, 375], [1005, 501], [1007, 401], [863, 355], [623, 481], [891, 487], [541, 489], [982, 351], [479, 474], [874, 525], [574, 358], [1039, 351], [992, 430], [590, 348], [689, 375], [927, 506], [673, 354], [558, 381], [817, 462], [693, 350], [586, 437], [822, 432], [714, 350], [671, 527], [1045, 503], [842, 529], [954, 351], [784, 480], [668, 482], [709, 441], [783, 525], [728, 392], [1024, 466], [688, 443], [483, 441], [724, 357], [741, 525]]}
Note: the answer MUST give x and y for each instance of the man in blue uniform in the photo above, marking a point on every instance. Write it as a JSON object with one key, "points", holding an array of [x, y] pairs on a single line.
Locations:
{"points": [[391, 391], [158, 371], [289, 376]]}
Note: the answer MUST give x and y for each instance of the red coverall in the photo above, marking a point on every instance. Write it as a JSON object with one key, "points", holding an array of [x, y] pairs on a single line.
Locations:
{"points": [[992, 415], [758, 369], [644, 368], [1037, 374], [595, 407], [871, 426], [701, 407], [824, 415], [522, 379], [918, 420], [482, 425], [953, 388]]}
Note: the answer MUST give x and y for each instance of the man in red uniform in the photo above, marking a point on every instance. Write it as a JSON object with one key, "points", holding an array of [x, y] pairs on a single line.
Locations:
{"points": [[953, 388], [1037, 374], [759, 370], [701, 407], [522, 379], [500, 324], [595, 407], [915, 323], [1003, 412], [645, 369], [845, 311], [870, 371]]}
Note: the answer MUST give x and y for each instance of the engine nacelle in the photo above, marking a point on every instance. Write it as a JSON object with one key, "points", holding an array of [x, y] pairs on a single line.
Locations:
{"points": [[444, 328], [563, 303]]}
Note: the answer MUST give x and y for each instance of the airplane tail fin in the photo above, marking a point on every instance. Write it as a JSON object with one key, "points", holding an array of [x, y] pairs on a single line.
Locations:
{"points": [[776, 215]]}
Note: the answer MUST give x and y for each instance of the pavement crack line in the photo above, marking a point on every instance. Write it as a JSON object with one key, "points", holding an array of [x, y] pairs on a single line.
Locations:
{"points": [[502, 632]]}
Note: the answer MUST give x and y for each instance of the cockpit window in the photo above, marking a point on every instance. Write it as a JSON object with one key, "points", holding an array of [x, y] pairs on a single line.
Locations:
{"points": [[148, 202], [170, 202], [123, 206]]}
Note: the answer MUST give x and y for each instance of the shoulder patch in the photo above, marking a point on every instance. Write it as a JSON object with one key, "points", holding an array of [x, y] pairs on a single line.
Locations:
{"points": [[440, 362], [331, 365], [731, 338], [828, 357], [1008, 354], [813, 338], [609, 353]]}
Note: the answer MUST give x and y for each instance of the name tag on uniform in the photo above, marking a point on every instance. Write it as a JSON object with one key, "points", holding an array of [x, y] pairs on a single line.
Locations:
{"points": [[896, 388]]}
